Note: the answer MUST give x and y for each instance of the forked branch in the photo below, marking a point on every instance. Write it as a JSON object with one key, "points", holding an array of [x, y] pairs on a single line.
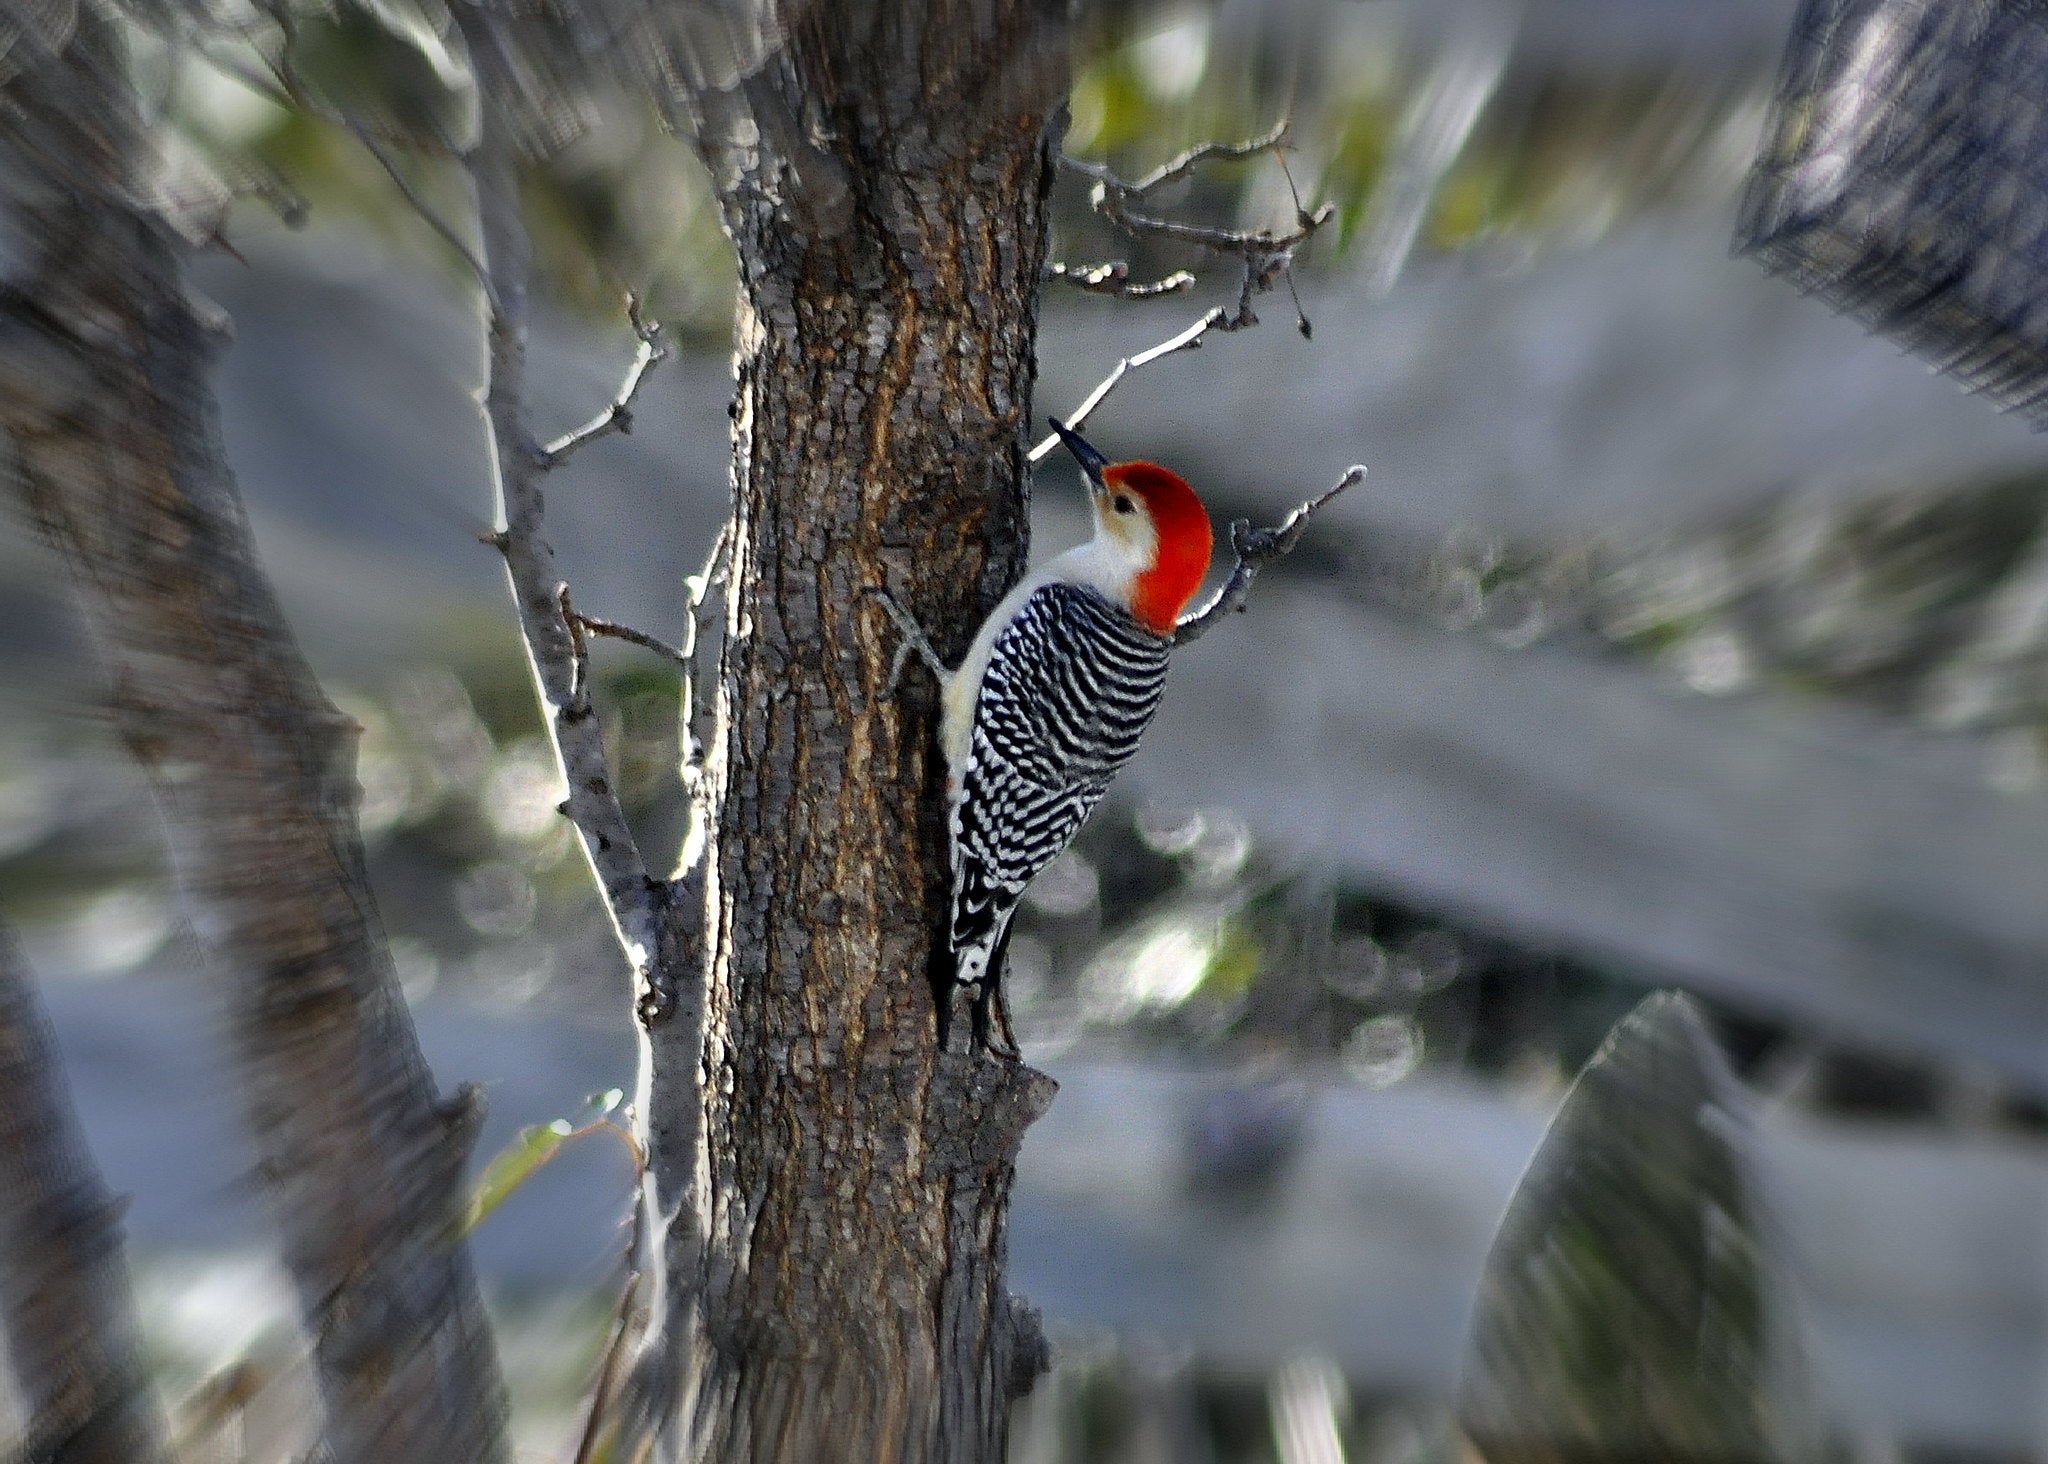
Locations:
{"points": [[618, 416], [288, 87], [555, 634], [1268, 258], [1255, 549]]}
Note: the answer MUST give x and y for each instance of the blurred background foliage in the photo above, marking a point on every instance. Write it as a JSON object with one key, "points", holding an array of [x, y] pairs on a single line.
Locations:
{"points": [[1553, 158]]}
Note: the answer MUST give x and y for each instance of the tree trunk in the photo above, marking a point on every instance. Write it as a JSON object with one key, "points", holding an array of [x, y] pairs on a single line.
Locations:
{"points": [[847, 1298], [1637, 1302], [115, 445], [65, 1306]]}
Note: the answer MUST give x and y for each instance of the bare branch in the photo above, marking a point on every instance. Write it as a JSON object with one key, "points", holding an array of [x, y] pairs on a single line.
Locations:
{"points": [[1178, 168], [65, 1305], [554, 638], [1255, 245], [1256, 548], [424, 209], [617, 417], [1188, 340], [1268, 258], [1114, 279], [592, 625]]}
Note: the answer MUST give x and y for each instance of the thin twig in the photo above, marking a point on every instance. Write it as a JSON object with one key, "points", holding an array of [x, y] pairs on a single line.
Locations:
{"points": [[1188, 340], [608, 1370], [1177, 168], [294, 90], [594, 626], [1256, 548], [1258, 244], [1114, 279], [283, 88], [618, 416], [425, 210], [1268, 257]]}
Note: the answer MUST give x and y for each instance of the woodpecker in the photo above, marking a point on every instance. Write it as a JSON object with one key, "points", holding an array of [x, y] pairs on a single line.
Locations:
{"points": [[1051, 698]]}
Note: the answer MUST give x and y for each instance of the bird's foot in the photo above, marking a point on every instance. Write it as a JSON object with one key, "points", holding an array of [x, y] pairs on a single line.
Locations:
{"points": [[992, 1023], [915, 642]]}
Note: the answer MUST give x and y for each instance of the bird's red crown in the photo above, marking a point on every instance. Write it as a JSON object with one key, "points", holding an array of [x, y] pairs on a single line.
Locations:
{"points": [[1184, 541]]}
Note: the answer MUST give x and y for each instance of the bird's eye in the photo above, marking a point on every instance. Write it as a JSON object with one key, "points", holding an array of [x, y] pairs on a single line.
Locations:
{"points": [[1123, 504]]}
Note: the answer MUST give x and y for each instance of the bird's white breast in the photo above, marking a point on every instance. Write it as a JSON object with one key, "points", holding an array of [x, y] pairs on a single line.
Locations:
{"points": [[1097, 564]]}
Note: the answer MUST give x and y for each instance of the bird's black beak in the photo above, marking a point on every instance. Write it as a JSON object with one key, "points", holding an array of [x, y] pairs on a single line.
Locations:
{"points": [[1092, 462]]}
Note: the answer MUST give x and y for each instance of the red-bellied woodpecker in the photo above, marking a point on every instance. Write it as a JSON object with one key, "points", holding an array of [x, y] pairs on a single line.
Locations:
{"points": [[1052, 697]]}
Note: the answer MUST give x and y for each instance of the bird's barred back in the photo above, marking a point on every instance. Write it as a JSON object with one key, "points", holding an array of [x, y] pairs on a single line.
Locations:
{"points": [[1070, 687]]}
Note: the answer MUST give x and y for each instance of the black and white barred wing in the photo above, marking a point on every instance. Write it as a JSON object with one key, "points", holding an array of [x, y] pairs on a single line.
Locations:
{"points": [[1071, 683]]}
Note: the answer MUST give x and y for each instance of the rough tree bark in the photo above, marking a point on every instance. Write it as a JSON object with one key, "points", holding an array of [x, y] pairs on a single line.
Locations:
{"points": [[832, 1280], [65, 1305], [104, 402]]}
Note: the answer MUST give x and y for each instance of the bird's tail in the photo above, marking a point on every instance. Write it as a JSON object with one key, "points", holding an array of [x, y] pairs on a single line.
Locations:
{"points": [[977, 965]]}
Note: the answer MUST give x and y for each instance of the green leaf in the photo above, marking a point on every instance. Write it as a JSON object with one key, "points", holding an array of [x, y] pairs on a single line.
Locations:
{"points": [[509, 1168]]}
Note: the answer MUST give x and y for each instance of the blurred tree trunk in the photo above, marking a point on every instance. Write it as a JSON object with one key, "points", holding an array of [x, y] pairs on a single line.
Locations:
{"points": [[1637, 1303], [845, 1297], [65, 1308], [104, 400]]}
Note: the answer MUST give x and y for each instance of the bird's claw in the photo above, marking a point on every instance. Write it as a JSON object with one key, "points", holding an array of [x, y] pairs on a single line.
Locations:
{"points": [[904, 651], [914, 642], [991, 1023]]}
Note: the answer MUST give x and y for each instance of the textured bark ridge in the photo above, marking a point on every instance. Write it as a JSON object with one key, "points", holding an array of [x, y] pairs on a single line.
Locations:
{"points": [[850, 1300], [105, 407]]}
